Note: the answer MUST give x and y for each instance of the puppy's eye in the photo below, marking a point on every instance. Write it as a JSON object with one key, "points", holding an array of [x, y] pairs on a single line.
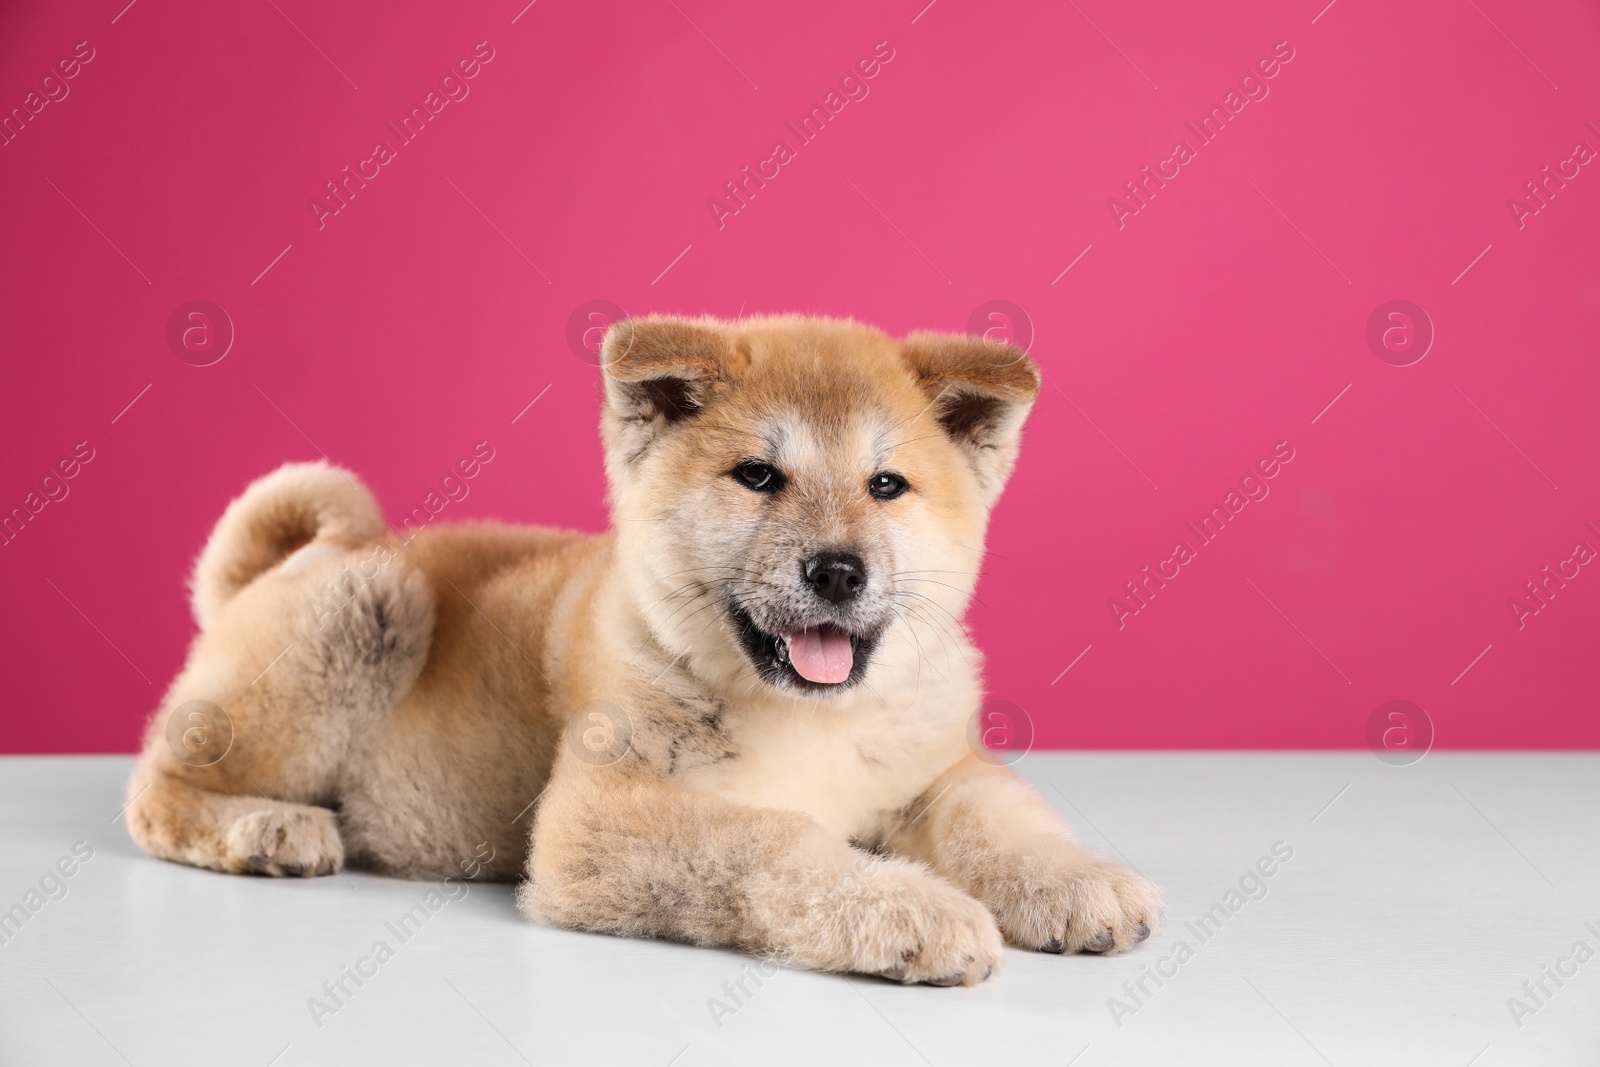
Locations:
{"points": [[886, 486], [761, 477]]}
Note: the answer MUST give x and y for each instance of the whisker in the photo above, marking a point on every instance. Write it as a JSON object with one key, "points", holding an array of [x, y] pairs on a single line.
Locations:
{"points": [[923, 596], [947, 585], [914, 440], [960, 638], [920, 653]]}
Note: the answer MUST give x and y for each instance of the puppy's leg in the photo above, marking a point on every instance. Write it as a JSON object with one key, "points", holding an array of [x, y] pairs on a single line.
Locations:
{"points": [[237, 834], [638, 856], [288, 673], [988, 832]]}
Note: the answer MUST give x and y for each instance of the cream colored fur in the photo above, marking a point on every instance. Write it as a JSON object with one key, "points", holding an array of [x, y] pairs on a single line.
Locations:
{"points": [[602, 710]]}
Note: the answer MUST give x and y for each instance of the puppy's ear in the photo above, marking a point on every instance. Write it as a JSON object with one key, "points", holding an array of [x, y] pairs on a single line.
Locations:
{"points": [[659, 371], [981, 393]]}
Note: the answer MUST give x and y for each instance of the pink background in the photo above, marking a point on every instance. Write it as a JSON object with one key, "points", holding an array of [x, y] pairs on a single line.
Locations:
{"points": [[1220, 319]]}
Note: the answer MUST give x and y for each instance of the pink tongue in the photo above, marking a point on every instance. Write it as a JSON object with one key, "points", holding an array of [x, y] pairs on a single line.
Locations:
{"points": [[821, 655]]}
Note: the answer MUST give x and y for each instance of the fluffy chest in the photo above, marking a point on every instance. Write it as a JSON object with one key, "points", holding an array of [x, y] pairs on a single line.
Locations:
{"points": [[846, 769]]}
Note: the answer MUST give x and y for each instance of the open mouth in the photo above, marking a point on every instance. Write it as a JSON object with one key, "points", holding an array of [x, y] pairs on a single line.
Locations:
{"points": [[822, 657]]}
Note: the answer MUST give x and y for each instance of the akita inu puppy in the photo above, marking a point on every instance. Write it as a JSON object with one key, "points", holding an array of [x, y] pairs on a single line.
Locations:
{"points": [[740, 718]]}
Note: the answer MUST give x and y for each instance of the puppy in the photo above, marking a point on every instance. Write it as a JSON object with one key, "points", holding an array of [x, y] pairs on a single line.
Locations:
{"points": [[740, 718]]}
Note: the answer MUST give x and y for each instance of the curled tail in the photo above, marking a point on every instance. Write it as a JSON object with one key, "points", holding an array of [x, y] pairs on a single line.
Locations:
{"points": [[294, 505]]}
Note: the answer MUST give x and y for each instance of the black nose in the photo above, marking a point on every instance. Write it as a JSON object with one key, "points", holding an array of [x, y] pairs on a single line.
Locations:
{"points": [[836, 576]]}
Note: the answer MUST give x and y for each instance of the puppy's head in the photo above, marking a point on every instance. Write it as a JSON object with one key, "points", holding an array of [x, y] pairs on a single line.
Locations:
{"points": [[791, 492]]}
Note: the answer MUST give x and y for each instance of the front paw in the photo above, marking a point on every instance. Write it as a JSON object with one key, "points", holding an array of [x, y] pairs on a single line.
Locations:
{"points": [[900, 921], [1062, 899]]}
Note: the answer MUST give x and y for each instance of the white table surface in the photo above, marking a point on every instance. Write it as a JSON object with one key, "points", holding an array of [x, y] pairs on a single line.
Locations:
{"points": [[1414, 907]]}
